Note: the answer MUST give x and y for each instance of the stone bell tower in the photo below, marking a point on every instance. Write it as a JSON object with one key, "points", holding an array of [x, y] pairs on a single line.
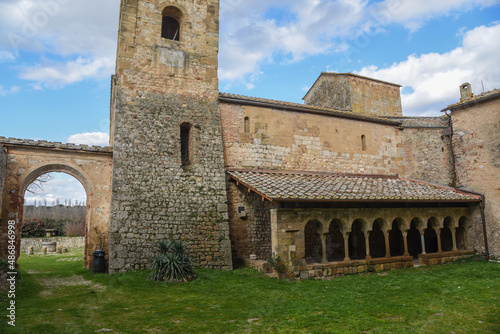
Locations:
{"points": [[168, 164]]}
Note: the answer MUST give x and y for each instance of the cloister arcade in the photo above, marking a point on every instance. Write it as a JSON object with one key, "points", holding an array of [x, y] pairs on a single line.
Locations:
{"points": [[332, 238], [342, 241]]}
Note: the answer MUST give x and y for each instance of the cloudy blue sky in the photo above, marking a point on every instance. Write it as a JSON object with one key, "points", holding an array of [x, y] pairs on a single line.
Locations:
{"points": [[57, 56]]}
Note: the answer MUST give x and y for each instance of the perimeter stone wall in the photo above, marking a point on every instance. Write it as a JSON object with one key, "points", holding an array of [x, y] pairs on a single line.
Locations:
{"points": [[476, 144], [287, 140], [66, 242]]}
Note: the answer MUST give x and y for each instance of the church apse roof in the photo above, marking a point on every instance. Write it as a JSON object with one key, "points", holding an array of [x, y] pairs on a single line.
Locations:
{"points": [[294, 186]]}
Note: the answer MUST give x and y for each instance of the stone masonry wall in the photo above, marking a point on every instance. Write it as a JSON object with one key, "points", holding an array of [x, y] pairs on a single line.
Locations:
{"points": [[427, 151], [67, 242], [154, 197], [476, 145], [161, 84], [3, 168], [286, 140], [361, 95], [250, 234]]}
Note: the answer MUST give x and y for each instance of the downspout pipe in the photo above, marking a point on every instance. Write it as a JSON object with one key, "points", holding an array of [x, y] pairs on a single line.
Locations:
{"points": [[481, 206]]}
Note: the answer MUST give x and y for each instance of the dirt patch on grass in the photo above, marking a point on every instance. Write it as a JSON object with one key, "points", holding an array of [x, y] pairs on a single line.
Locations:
{"points": [[53, 283]]}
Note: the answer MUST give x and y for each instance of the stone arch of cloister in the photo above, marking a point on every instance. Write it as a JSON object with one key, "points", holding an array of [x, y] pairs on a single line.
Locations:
{"points": [[333, 236], [91, 166]]}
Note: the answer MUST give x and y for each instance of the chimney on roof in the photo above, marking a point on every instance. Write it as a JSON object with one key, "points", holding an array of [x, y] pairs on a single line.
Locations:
{"points": [[466, 92]]}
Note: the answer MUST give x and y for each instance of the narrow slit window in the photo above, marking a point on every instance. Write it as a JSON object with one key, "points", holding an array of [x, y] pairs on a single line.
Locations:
{"points": [[363, 142], [246, 125], [185, 144]]}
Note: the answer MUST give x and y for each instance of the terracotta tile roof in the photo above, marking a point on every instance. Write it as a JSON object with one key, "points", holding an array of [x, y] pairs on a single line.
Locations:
{"points": [[224, 97], [475, 99], [313, 186]]}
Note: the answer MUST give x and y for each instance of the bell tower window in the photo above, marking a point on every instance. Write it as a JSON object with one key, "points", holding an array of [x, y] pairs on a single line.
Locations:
{"points": [[171, 23]]}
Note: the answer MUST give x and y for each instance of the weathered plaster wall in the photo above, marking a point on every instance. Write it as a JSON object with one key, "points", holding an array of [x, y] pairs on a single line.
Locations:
{"points": [[345, 91], [286, 140], [476, 145], [427, 151], [250, 234], [159, 85]]}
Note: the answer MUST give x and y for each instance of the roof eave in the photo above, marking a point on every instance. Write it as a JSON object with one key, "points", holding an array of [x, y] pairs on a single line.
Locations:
{"points": [[304, 109], [466, 104]]}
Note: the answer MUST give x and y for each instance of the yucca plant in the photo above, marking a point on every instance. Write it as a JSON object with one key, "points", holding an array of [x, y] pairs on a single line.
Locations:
{"points": [[172, 263]]}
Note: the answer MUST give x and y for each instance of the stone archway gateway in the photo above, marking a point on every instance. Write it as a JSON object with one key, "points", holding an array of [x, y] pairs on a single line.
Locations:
{"points": [[27, 159]]}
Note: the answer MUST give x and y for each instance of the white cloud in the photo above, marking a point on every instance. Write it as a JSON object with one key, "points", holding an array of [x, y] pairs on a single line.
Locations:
{"points": [[249, 39], [55, 74], [90, 138], [6, 56], [435, 78], [62, 187], [413, 14], [59, 26], [64, 30], [8, 91]]}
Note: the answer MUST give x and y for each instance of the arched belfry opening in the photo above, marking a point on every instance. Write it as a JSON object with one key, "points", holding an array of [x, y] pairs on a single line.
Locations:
{"points": [[171, 23]]}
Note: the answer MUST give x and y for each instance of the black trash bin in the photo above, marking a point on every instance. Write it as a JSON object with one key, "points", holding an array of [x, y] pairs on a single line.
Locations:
{"points": [[98, 265]]}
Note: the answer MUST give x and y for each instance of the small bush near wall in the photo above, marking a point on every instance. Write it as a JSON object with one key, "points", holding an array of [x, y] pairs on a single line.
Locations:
{"points": [[74, 229], [33, 228], [36, 227]]}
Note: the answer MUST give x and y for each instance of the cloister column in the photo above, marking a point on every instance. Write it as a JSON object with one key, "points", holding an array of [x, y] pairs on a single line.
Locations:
{"points": [[323, 243], [387, 246], [405, 234], [438, 232], [346, 246], [422, 239], [454, 239], [467, 239], [367, 242]]}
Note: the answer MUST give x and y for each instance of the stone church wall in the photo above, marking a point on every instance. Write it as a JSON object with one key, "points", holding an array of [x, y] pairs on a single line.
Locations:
{"points": [[361, 95], [286, 140], [427, 151], [250, 231], [476, 138]]}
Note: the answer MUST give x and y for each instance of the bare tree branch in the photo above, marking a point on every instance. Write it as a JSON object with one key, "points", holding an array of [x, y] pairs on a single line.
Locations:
{"points": [[36, 186]]}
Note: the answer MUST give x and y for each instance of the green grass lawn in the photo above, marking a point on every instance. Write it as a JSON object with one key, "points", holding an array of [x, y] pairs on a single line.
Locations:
{"points": [[56, 295]]}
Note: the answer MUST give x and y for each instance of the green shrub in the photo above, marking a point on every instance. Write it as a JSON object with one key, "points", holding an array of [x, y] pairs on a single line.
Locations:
{"points": [[277, 265], [33, 227], [172, 263]]}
